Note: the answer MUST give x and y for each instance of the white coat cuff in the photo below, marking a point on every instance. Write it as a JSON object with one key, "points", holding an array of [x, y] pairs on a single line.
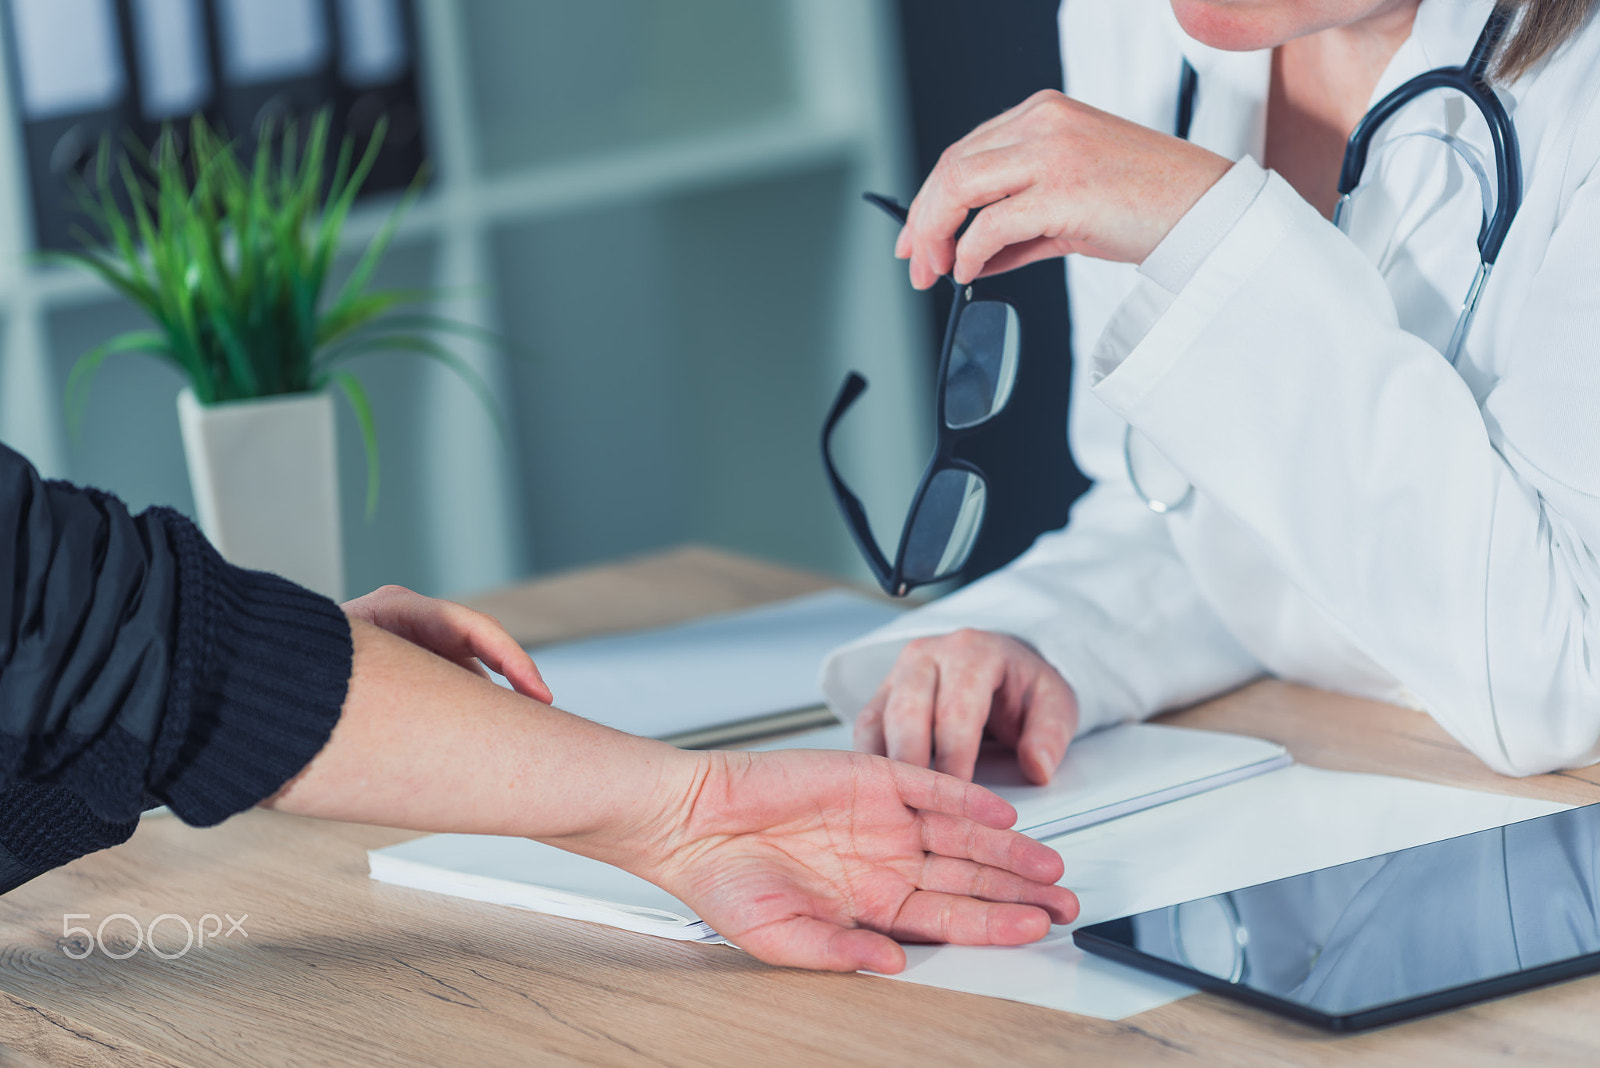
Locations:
{"points": [[1174, 263], [1133, 356], [1203, 226]]}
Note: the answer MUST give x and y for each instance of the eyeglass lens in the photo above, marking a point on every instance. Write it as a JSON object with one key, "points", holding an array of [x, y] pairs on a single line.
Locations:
{"points": [[945, 525], [983, 363]]}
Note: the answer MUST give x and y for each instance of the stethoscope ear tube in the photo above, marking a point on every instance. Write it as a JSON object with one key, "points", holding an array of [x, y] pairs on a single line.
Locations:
{"points": [[1471, 79]]}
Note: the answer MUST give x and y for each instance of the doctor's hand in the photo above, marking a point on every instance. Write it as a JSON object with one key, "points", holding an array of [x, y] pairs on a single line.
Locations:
{"points": [[453, 631], [945, 690], [824, 859], [1052, 176]]}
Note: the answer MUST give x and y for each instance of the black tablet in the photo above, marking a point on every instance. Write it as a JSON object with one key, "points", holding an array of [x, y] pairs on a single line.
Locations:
{"points": [[1391, 937]]}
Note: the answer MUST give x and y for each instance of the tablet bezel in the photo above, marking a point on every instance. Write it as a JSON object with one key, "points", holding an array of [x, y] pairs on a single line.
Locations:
{"points": [[1095, 938]]}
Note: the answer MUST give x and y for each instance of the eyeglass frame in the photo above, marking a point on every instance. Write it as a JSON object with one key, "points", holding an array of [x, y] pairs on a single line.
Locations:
{"points": [[892, 577]]}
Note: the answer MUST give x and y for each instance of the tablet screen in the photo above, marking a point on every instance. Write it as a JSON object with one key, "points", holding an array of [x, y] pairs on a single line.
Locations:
{"points": [[1391, 937]]}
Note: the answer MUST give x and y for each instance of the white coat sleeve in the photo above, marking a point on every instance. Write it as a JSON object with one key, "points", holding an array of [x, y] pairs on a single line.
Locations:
{"points": [[1365, 468]]}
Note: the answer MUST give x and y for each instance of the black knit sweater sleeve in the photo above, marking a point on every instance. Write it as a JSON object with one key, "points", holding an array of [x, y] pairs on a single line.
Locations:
{"points": [[137, 666]]}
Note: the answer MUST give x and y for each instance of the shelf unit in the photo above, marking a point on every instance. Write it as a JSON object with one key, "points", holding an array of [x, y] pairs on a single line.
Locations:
{"points": [[657, 203]]}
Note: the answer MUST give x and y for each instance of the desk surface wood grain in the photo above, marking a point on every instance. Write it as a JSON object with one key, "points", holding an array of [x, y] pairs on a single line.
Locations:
{"points": [[328, 967]]}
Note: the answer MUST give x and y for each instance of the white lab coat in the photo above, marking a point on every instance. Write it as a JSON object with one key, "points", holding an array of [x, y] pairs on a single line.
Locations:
{"points": [[1366, 518]]}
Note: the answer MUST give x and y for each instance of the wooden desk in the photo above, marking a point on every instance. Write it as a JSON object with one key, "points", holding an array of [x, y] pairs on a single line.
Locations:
{"points": [[337, 969]]}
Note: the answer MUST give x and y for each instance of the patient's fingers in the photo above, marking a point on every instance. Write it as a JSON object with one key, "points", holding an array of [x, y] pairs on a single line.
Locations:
{"points": [[453, 631], [965, 878], [806, 942], [928, 916], [952, 836]]}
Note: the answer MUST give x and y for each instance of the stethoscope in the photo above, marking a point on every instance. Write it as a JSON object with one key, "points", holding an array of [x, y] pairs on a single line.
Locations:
{"points": [[1470, 80]]}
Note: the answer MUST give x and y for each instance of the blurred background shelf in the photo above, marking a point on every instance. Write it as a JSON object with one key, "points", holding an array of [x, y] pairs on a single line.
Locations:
{"points": [[657, 203]]}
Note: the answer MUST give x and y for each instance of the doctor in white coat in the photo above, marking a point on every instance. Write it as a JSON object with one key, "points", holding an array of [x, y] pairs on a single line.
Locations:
{"points": [[1365, 517]]}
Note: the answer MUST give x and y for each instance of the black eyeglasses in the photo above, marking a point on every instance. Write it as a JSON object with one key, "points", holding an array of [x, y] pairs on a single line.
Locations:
{"points": [[977, 369]]}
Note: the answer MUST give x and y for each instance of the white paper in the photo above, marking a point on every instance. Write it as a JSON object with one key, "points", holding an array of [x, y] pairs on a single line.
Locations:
{"points": [[713, 671], [1288, 822]]}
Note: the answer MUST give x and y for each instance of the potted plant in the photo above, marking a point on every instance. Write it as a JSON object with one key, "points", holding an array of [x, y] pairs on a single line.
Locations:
{"points": [[231, 262]]}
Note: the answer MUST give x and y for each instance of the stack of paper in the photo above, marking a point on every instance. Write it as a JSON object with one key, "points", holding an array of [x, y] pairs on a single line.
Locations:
{"points": [[532, 875], [717, 679]]}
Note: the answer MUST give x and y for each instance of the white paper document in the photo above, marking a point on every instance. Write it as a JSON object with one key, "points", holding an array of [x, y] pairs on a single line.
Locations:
{"points": [[711, 672]]}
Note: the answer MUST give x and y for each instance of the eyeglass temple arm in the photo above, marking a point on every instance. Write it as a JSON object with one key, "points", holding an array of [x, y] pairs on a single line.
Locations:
{"points": [[855, 514], [893, 209], [887, 205]]}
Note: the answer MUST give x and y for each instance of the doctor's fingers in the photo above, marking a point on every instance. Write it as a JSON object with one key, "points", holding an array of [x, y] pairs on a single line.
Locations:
{"points": [[1035, 713], [867, 734], [1033, 221], [960, 182], [1048, 726], [938, 697], [1047, 113], [908, 708], [971, 674]]}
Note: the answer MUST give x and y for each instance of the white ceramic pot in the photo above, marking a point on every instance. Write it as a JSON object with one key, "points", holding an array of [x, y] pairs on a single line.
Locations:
{"points": [[266, 484]]}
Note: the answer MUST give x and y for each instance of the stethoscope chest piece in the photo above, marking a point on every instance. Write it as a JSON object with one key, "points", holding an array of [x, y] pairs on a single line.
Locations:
{"points": [[1160, 485]]}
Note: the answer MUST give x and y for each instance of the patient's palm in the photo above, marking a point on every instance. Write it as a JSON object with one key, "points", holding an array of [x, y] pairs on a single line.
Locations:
{"points": [[799, 856]]}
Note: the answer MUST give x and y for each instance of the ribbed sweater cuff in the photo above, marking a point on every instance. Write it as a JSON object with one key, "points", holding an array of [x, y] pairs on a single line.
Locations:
{"points": [[44, 827], [260, 675]]}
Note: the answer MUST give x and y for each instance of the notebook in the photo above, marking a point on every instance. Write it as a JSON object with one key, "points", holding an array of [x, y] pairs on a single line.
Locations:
{"points": [[1105, 775]]}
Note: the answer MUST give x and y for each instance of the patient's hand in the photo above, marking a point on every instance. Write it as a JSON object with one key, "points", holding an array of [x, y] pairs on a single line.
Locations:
{"points": [[452, 631], [945, 690], [821, 859]]}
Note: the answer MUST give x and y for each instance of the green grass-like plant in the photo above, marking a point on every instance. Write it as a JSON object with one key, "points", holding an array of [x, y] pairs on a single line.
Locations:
{"points": [[231, 262]]}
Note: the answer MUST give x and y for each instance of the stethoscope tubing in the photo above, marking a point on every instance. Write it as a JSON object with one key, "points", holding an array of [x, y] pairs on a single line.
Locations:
{"points": [[1471, 80]]}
